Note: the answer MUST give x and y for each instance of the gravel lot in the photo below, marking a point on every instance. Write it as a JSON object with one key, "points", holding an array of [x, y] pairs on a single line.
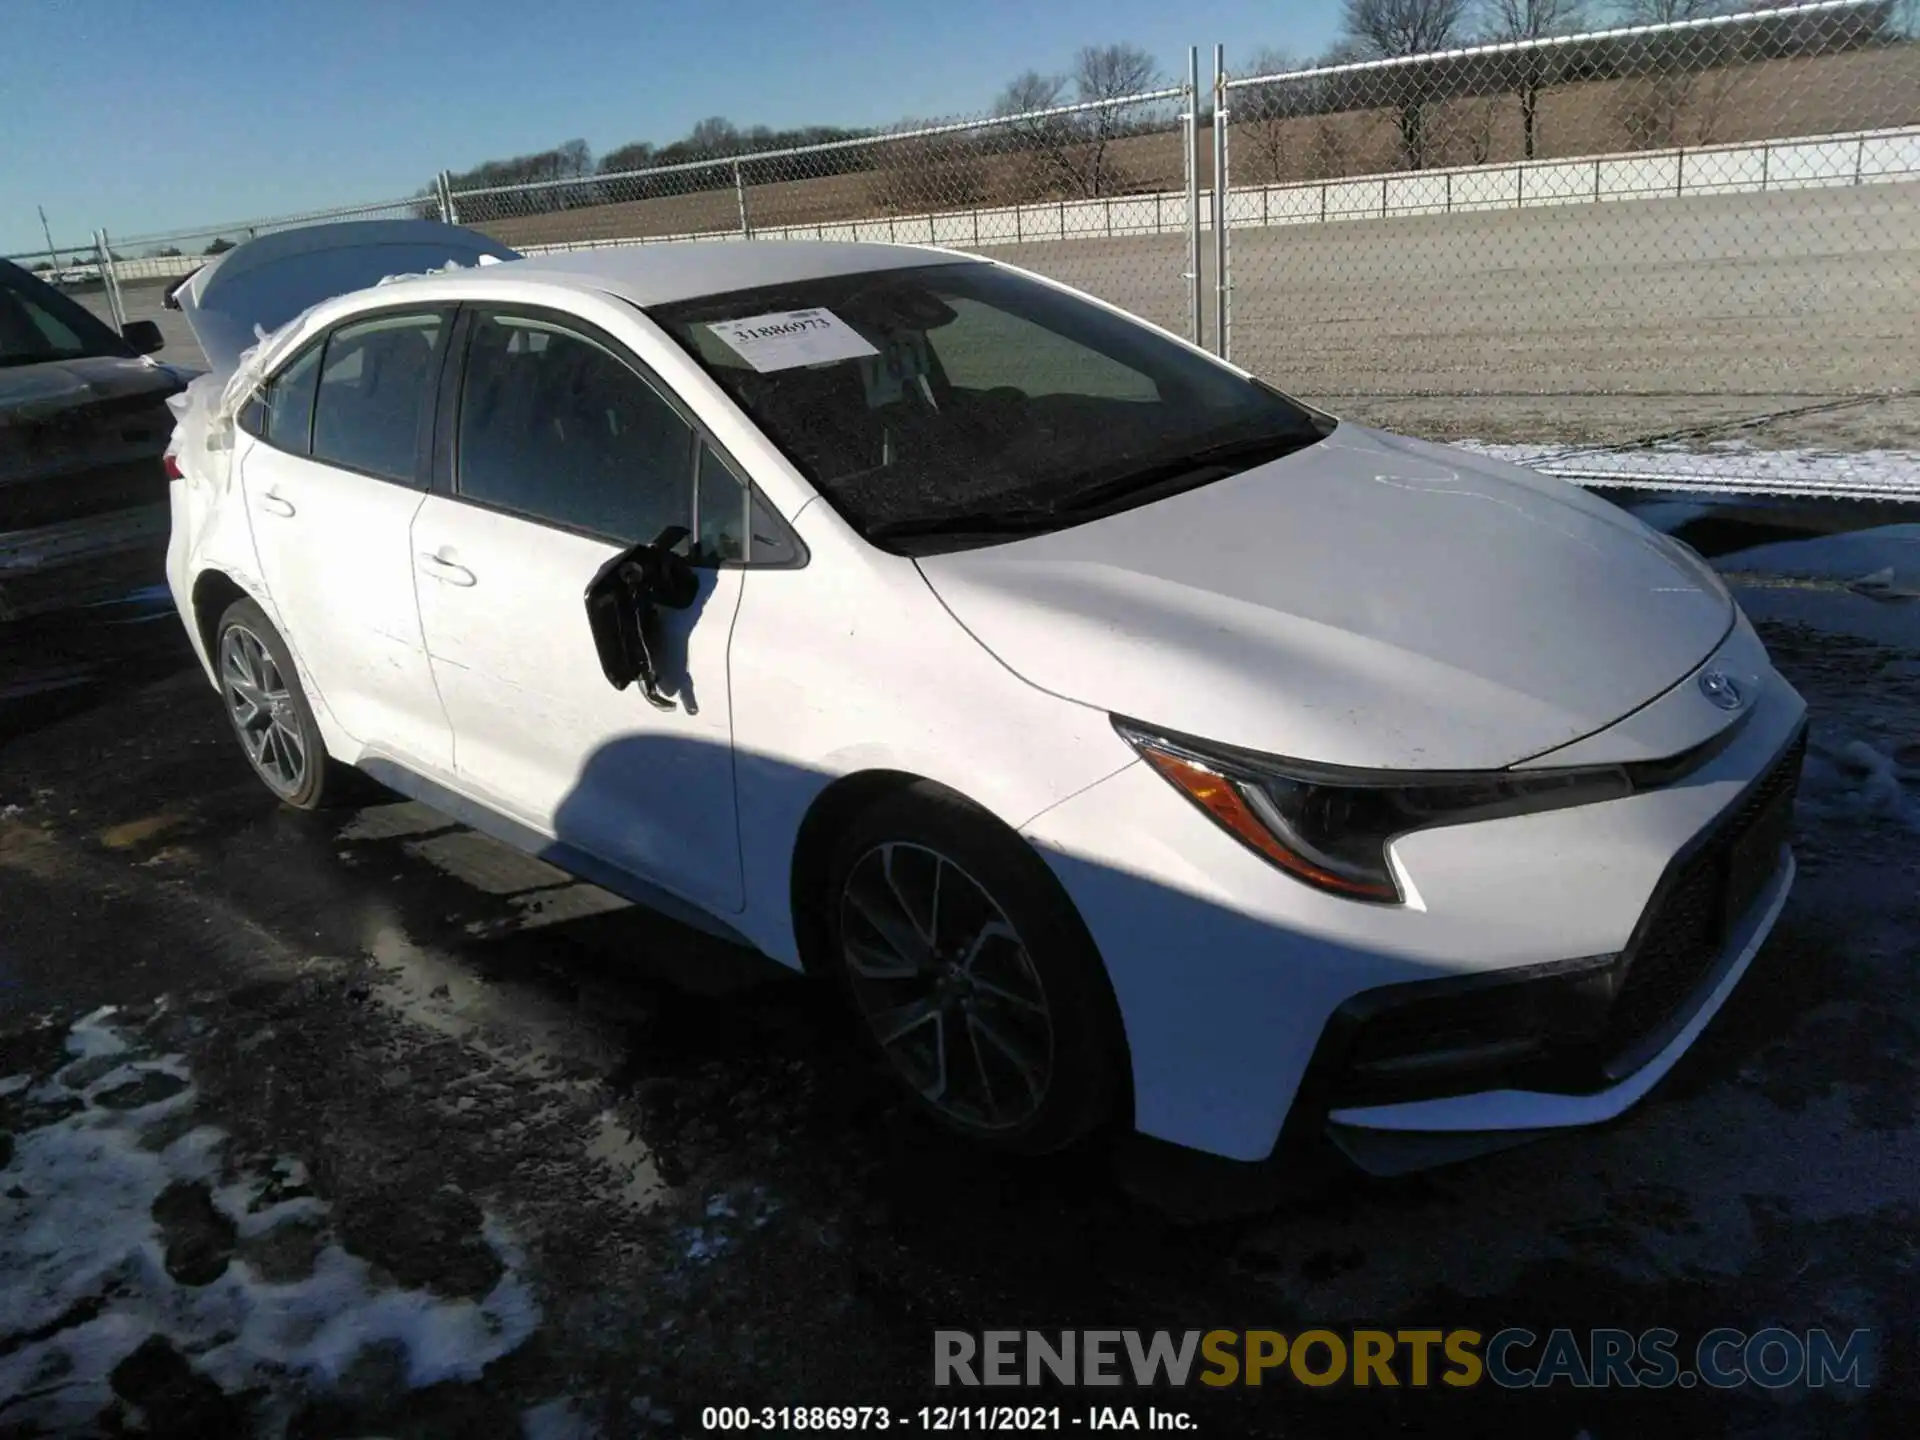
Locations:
{"points": [[578, 1171], [1572, 323]]}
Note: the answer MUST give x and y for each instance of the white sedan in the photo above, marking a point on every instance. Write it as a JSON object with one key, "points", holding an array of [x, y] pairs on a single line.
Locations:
{"points": [[1131, 744]]}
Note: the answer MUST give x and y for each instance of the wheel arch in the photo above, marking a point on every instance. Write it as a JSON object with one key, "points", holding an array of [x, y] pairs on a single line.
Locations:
{"points": [[213, 591], [827, 818]]}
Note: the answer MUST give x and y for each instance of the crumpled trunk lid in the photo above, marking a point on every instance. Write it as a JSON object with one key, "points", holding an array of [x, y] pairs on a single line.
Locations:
{"points": [[257, 287]]}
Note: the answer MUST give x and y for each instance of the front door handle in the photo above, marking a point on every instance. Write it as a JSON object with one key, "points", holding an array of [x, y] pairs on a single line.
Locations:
{"points": [[446, 570], [275, 505]]}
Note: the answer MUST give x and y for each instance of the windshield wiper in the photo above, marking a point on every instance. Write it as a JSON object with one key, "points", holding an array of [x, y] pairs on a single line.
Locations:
{"points": [[1022, 520], [1195, 467]]}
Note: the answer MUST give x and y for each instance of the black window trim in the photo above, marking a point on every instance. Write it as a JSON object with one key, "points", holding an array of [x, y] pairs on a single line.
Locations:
{"points": [[448, 315], [258, 399], [444, 466]]}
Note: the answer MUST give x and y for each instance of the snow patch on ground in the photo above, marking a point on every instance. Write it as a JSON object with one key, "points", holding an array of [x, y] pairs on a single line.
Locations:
{"points": [[1735, 467], [88, 1265], [1850, 779]]}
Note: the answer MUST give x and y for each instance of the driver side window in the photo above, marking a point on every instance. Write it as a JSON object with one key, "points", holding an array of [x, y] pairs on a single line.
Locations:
{"points": [[555, 427]]}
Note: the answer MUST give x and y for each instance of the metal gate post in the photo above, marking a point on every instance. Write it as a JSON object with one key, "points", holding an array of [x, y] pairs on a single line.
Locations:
{"points": [[109, 281], [1190, 126], [443, 188], [740, 195], [1222, 312]]}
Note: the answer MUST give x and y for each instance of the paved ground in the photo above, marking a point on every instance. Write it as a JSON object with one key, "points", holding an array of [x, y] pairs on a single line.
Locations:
{"points": [[1567, 323], [394, 1132]]}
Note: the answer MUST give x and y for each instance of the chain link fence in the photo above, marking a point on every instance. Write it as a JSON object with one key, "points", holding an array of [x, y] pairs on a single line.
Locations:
{"points": [[1096, 194], [1679, 255], [1640, 254], [122, 278]]}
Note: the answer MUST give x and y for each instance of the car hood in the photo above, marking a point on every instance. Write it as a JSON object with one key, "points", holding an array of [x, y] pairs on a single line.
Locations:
{"points": [[1370, 601]]}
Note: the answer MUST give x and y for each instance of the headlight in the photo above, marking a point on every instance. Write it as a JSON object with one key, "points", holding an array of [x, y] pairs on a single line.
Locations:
{"points": [[1331, 827]]}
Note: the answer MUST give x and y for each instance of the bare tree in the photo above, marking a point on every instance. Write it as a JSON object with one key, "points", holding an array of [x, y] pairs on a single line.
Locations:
{"points": [[715, 135], [1482, 118], [1537, 68], [1107, 72], [1667, 12], [1404, 27], [1388, 28], [1043, 138], [1075, 147], [1651, 104], [1030, 91], [1113, 72], [1269, 114]]}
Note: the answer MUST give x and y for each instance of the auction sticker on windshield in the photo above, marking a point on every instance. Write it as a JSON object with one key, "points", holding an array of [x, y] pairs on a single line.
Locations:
{"points": [[788, 339]]}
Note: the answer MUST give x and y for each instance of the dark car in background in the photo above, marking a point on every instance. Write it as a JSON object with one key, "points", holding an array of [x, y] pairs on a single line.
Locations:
{"points": [[83, 427]]}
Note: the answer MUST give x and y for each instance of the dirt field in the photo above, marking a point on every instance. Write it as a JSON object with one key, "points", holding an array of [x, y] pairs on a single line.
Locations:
{"points": [[1589, 323], [1808, 96]]}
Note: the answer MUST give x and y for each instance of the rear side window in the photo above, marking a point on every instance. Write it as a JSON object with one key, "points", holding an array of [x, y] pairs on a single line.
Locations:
{"points": [[558, 428], [288, 423], [376, 381]]}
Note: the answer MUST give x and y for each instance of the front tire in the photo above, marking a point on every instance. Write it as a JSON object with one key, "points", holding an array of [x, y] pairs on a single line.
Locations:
{"points": [[268, 710], [972, 975]]}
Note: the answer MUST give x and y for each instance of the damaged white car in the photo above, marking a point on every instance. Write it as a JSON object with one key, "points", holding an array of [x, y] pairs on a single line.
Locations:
{"points": [[1130, 743]]}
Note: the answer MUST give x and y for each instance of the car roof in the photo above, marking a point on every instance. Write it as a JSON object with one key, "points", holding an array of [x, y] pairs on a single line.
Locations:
{"points": [[659, 274]]}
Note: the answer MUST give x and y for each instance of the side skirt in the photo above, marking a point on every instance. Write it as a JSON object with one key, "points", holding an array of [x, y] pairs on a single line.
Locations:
{"points": [[570, 858]]}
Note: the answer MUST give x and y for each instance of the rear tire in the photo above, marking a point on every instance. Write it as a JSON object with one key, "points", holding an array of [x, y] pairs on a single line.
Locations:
{"points": [[269, 713], [971, 974]]}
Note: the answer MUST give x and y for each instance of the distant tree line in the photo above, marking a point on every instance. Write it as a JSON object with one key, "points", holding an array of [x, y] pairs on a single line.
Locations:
{"points": [[571, 177], [1661, 74], [1074, 154]]}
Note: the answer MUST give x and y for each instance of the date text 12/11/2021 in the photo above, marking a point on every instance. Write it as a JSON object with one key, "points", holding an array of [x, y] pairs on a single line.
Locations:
{"points": [[943, 1419]]}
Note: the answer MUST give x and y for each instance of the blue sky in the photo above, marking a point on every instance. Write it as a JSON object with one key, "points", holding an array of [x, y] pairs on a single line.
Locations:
{"points": [[151, 115]]}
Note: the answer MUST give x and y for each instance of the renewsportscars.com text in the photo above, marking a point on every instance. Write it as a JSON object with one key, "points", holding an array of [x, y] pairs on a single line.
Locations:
{"points": [[1512, 1358]]}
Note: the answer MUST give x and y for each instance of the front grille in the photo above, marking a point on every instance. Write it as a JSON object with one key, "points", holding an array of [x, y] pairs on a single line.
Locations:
{"points": [[1685, 931]]}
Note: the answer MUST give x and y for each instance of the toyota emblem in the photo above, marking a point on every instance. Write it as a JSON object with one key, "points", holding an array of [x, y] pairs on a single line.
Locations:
{"points": [[1722, 689]]}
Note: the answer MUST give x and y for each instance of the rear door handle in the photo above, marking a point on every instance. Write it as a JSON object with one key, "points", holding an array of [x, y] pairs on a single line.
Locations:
{"points": [[274, 505], [446, 571]]}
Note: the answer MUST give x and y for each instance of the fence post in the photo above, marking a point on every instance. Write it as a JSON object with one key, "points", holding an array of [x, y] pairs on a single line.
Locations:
{"points": [[1190, 123], [442, 194], [740, 197], [109, 281], [1222, 314], [449, 205]]}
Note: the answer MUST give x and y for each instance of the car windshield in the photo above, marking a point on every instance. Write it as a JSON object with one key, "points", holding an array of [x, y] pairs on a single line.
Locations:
{"points": [[956, 404], [38, 324]]}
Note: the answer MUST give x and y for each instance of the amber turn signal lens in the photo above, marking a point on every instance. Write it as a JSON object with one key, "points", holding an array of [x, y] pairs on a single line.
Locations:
{"points": [[1221, 798]]}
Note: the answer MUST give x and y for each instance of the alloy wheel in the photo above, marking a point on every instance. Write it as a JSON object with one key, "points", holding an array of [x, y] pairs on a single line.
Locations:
{"points": [[946, 986], [263, 710]]}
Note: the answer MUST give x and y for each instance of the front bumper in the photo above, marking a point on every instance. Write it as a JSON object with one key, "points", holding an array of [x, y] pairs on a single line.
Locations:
{"points": [[1239, 988], [1491, 1065]]}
